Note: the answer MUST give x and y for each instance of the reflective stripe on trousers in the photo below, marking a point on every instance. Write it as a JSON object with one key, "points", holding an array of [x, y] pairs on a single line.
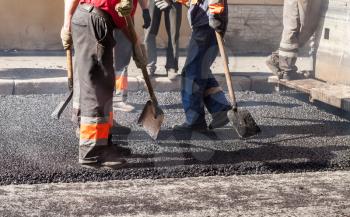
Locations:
{"points": [[122, 57]]}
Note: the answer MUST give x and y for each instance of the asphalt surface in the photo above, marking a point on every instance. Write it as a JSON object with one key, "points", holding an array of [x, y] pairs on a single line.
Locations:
{"points": [[296, 137], [306, 194]]}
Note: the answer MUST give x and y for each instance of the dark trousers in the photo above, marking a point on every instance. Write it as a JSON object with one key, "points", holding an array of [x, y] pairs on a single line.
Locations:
{"points": [[199, 86], [93, 44], [172, 18]]}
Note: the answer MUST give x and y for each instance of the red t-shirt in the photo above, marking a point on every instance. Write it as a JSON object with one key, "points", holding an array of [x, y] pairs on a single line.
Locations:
{"points": [[109, 7]]}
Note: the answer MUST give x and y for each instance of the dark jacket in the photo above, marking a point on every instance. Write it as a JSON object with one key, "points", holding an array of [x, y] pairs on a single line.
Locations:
{"points": [[199, 13]]}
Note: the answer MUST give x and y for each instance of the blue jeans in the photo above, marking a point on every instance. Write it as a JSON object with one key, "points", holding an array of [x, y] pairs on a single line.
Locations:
{"points": [[199, 87]]}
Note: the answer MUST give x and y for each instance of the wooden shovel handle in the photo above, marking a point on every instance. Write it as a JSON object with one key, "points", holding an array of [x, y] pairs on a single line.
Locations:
{"points": [[69, 68], [135, 40], [226, 70]]}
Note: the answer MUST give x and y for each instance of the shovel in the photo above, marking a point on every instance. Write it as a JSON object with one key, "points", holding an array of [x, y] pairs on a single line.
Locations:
{"points": [[242, 120], [56, 114], [152, 115]]}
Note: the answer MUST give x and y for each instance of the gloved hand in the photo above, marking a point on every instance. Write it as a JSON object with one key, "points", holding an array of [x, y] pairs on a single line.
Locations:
{"points": [[216, 24], [124, 8], [67, 40], [186, 3], [146, 18], [70, 83], [140, 57], [163, 4]]}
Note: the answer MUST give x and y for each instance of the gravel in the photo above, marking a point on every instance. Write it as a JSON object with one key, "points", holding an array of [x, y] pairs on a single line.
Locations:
{"points": [[296, 137]]}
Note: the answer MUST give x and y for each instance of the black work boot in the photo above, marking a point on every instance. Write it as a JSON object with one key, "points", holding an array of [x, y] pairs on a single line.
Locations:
{"points": [[103, 157], [189, 128], [292, 75], [272, 63], [126, 152], [118, 129], [220, 119], [288, 68]]}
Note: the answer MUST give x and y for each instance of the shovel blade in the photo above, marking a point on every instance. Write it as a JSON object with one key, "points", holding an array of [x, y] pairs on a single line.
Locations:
{"points": [[151, 119], [56, 114], [243, 123]]}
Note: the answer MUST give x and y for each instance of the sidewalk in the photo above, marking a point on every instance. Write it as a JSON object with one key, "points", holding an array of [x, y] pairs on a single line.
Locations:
{"points": [[300, 194], [38, 73]]}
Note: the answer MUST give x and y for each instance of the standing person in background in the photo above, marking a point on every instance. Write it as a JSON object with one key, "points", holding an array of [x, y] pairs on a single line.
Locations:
{"points": [[172, 14], [89, 24], [300, 21], [199, 86], [122, 56]]}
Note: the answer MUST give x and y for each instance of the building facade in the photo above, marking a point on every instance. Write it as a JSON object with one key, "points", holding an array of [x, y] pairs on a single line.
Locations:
{"points": [[36, 26]]}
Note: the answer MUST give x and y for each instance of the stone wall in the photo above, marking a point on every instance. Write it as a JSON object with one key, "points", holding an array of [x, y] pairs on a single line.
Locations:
{"points": [[254, 28]]}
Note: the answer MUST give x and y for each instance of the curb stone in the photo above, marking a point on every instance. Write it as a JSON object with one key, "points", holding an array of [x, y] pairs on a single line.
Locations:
{"points": [[58, 85], [261, 84], [7, 86], [133, 84], [41, 86], [165, 84]]}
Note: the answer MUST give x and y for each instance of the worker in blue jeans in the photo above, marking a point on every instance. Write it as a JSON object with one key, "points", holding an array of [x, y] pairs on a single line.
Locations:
{"points": [[200, 89]]}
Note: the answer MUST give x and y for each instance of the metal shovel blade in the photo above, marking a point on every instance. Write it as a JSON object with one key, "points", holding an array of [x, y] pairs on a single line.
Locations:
{"points": [[56, 114], [243, 123], [151, 119]]}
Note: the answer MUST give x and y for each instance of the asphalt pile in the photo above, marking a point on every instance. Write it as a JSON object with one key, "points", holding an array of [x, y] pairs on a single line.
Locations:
{"points": [[296, 136]]}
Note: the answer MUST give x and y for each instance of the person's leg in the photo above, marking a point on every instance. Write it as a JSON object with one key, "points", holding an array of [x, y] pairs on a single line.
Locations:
{"points": [[289, 45], [272, 62], [173, 18], [194, 81], [150, 37], [94, 57], [76, 99], [122, 57], [310, 14], [214, 98]]}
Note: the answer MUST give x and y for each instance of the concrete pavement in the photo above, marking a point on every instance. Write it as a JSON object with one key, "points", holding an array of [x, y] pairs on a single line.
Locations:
{"points": [[301, 194], [22, 74]]}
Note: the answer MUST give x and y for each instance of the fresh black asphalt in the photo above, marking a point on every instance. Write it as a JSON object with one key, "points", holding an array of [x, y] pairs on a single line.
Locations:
{"points": [[296, 136]]}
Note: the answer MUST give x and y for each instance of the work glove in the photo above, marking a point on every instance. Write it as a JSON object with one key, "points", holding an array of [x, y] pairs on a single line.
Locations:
{"points": [[124, 8], [216, 24], [146, 18], [67, 40], [140, 56], [163, 4], [186, 3], [217, 15]]}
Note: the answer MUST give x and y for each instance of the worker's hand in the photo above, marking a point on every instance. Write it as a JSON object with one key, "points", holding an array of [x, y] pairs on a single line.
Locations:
{"points": [[66, 37], [70, 83], [140, 57], [186, 3], [163, 4], [146, 18], [124, 8], [216, 24]]}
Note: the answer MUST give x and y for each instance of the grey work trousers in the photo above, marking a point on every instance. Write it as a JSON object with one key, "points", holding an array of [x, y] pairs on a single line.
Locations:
{"points": [[93, 44], [122, 56], [172, 17], [300, 21]]}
